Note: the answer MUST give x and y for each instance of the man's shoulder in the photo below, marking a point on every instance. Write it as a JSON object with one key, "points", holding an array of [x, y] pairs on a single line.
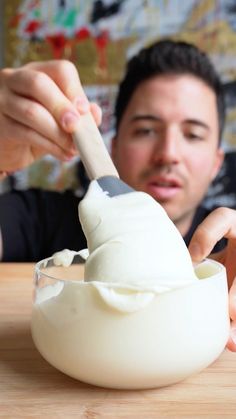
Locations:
{"points": [[37, 204], [37, 194], [222, 192]]}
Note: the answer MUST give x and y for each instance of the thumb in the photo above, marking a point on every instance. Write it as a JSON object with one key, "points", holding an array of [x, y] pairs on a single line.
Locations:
{"points": [[195, 250], [232, 301], [231, 345]]}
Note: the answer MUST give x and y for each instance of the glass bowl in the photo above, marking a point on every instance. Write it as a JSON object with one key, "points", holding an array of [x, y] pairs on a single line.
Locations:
{"points": [[78, 327]]}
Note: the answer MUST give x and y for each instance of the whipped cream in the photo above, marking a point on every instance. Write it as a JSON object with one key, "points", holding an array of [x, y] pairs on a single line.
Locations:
{"points": [[130, 240]]}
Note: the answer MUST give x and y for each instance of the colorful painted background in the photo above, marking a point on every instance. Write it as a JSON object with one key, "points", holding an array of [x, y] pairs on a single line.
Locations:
{"points": [[99, 36]]}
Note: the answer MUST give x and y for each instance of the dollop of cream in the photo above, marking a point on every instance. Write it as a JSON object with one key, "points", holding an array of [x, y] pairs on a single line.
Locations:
{"points": [[131, 240]]}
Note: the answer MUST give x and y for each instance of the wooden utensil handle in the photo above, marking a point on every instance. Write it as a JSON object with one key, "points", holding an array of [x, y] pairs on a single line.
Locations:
{"points": [[92, 149]]}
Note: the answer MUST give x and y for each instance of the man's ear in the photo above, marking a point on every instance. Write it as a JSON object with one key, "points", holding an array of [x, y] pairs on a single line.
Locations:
{"points": [[218, 162], [113, 148]]}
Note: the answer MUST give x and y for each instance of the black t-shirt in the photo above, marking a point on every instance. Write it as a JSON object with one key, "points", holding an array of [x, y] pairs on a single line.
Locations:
{"points": [[35, 224], [199, 216]]}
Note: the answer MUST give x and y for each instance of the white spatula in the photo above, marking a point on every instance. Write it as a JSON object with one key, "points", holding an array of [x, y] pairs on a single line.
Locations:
{"points": [[95, 157]]}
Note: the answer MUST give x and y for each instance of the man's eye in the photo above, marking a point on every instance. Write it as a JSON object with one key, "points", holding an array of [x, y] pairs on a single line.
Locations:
{"points": [[144, 132], [193, 136]]}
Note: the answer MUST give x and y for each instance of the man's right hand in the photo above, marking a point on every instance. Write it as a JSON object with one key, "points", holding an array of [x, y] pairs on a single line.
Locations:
{"points": [[40, 103]]}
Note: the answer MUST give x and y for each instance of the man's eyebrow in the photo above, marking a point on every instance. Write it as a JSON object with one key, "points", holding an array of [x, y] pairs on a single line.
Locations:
{"points": [[145, 116], [198, 123], [154, 118]]}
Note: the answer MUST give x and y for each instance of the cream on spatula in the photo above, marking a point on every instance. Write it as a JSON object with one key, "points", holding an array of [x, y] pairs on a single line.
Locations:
{"points": [[96, 159]]}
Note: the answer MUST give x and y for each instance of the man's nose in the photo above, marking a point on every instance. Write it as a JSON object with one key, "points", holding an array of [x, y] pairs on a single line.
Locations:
{"points": [[167, 149]]}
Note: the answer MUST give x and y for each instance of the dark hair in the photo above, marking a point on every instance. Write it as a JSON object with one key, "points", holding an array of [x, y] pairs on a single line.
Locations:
{"points": [[168, 57]]}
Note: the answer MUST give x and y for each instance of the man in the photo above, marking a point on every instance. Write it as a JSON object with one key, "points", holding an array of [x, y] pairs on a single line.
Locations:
{"points": [[169, 120], [170, 115]]}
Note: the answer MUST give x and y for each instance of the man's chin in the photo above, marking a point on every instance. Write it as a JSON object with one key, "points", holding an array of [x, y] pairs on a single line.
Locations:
{"points": [[171, 209]]}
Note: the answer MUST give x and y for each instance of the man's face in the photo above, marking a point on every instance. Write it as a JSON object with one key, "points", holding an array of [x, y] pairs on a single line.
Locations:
{"points": [[167, 143]]}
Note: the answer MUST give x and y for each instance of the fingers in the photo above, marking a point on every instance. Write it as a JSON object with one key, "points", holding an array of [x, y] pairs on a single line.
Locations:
{"points": [[231, 345], [40, 105], [64, 74], [56, 86], [232, 301], [220, 223], [41, 89], [34, 116], [96, 112], [30, 145]]}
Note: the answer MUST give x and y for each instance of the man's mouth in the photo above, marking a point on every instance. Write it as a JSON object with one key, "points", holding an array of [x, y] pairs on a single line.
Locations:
{"points": [[163, 189]]}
